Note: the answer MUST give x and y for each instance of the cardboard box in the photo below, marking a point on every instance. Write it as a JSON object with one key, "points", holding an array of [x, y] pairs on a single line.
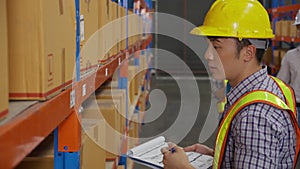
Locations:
{"points": [[118, 98], [267, 57], [113, 16], [278, 28], [123, 28], [41, 42], [276, 57], [103, 14], [132, 28], [293, 30], [285, 28], [133, 82], [115, 94], [106, 109], [89, 40], [4, 61], [40, 157], [93, 141], [113, 137]]}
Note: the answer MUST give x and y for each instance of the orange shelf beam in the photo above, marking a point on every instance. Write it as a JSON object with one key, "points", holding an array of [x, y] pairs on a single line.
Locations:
{"points": [[282, 9], [286, 39], [23, 133]]}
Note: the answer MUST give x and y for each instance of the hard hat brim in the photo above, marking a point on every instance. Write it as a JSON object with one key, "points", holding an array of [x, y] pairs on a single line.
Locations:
{"points": [[223, 32]]}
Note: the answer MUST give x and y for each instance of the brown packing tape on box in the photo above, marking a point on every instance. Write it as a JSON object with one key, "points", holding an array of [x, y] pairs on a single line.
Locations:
{"points": [[4, 61], [41, 54]]}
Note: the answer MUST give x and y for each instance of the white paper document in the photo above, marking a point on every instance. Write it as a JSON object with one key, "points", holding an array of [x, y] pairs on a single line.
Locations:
{"points": [[149, 154]]}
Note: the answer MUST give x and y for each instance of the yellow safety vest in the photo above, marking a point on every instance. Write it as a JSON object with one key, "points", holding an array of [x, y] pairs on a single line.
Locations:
{"points": [[257, 96], [221, 104]]}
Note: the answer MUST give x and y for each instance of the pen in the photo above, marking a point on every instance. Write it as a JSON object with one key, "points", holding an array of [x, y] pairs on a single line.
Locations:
{"points": [[172, 150]]}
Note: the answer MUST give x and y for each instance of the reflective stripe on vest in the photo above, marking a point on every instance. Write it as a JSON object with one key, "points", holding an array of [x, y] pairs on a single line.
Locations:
{"points": [[257, 96], [288, 94], [221, 104]]}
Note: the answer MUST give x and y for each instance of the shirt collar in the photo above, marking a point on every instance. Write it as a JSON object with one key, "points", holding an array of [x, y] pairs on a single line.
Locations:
{"points": [[246, 85]]}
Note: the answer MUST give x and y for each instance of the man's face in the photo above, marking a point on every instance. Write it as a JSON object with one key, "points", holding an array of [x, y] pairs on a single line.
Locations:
{"points": [[223, 59]]}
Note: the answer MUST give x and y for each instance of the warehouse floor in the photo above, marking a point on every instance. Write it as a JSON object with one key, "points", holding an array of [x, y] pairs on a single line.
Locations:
{"points": [[163, 122]]}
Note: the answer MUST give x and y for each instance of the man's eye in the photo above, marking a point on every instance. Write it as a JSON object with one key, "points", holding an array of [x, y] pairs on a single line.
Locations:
{"points": [[216, 47]]}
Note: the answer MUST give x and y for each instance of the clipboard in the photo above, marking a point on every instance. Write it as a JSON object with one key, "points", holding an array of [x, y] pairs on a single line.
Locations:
{"points": [[149, 154]]}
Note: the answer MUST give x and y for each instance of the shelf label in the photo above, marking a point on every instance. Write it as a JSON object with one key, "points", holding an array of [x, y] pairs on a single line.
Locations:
{"points": [[83, 89], [81, 27], [106, 71], [72, 98]]}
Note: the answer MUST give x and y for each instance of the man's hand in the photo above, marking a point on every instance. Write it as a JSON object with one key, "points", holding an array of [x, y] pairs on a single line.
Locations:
{"points": [[200, 148], [175, 158]]}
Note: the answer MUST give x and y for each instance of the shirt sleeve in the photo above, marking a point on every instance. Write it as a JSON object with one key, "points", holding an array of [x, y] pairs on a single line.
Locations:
{"points": [[262, 138], [284, 71]]}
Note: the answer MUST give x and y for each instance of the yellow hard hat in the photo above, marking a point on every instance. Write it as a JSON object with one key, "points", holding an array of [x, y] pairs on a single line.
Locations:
{"points": [[236, 18]]}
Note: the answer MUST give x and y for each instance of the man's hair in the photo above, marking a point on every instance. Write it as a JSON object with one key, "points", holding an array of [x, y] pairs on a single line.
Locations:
{"points": [[240, 44]]}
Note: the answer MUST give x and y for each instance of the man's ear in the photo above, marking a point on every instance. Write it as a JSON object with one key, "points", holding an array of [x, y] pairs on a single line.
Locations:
{"points": [[249, 53]]}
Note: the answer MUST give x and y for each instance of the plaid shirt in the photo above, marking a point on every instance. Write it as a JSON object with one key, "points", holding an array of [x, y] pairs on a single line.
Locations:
{"points": [[260, 136]]}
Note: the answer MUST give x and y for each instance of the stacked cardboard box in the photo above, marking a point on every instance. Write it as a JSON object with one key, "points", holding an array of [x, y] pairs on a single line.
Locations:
{"points": [[278, 28], [285, 27], [133, 82], [276, 57], [41, 157], [103, 20], [41, 47], [133, 28], [118, 98], [92, 154], [105, 110], [112, 118], [4, 61], [89, 25], [123, 28], [294, 32], [92, 150], [112, 104], [113, 32]]}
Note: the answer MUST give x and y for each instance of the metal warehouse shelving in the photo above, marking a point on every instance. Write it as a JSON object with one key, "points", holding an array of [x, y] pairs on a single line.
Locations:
{"points": [[23, 133], [281, 11]]}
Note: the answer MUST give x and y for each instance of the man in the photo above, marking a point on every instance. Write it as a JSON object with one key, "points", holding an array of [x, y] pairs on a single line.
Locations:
{"points": [[259, 127], [290, 71]]}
